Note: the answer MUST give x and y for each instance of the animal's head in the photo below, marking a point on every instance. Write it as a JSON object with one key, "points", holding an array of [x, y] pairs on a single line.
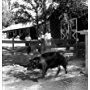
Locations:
{"points": [[33, 63]]}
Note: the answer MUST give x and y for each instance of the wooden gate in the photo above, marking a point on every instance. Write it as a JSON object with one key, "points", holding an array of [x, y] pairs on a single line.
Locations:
{"points": [[69, 31]]}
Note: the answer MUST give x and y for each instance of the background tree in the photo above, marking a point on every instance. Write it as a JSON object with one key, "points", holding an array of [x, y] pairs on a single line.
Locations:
{"points": [[7, 15], [66, 9], [72, 7], [29, 11]]}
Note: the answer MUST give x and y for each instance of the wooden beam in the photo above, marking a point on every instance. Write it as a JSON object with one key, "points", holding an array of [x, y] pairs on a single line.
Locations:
{"points": [[83, 32], [86, 52], [13, 41], [32, 42]]}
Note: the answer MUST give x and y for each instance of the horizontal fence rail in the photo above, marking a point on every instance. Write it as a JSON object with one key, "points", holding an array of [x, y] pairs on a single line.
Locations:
{"points": [[10, 41]]}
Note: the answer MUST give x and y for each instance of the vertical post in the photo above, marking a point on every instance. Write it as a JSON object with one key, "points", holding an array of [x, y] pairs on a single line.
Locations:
{"points": [[76, 32], [13, 42], [86, 52], [68, 35]]}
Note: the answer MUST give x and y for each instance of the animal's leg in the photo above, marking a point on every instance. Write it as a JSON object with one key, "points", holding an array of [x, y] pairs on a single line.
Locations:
{"points": [[58, 71], [65, 68], [44, 70], [44, 67]]}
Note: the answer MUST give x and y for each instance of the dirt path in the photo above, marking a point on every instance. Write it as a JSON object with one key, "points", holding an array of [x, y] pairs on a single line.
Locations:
{"points": [[18, 78]]}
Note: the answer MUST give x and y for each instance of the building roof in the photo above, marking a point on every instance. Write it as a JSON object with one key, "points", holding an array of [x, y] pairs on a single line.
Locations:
{"points": [[17, 26]]}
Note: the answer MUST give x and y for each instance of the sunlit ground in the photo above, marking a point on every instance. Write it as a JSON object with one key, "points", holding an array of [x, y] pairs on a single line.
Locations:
{"points": [[16, 77]]}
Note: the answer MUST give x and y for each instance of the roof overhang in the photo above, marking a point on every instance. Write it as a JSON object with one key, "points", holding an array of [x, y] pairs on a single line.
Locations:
{"points": [[17, 26]]}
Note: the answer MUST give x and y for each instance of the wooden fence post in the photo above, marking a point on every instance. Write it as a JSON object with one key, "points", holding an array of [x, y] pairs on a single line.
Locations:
{"points": [[86, 52], [13, 43]]}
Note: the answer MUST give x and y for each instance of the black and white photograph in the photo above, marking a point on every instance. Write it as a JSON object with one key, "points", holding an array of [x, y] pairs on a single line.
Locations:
{"points": [[44, 44]]}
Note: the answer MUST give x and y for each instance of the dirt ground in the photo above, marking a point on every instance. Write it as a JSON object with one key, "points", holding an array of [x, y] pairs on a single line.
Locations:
{"points": [[16, 77]]}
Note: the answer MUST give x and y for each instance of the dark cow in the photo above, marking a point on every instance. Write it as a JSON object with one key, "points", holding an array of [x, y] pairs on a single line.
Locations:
{"points": [[48, 60]]}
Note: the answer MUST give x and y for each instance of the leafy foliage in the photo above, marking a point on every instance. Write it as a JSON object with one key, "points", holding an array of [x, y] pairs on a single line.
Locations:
{"points": [[74, 8], [27, 12], [7, 15], [66, 9]]}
